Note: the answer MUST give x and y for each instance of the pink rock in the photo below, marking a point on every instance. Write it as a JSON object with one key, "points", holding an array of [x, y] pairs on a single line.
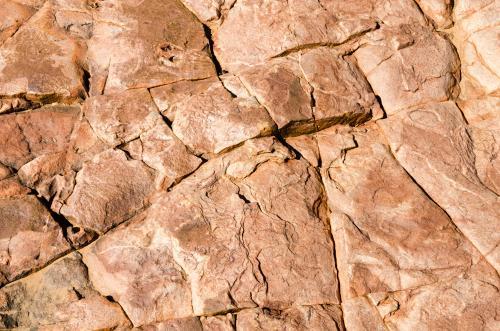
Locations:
{"points": [[30, 238]]}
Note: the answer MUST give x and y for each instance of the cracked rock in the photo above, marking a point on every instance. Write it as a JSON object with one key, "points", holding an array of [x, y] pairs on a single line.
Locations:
{"points": [[211, 249], [30, 238], [448, 161], [213, 121], [60, 297], [114, 186]]}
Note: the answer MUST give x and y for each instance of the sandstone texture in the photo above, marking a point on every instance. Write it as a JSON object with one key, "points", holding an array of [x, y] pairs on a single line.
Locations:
{"points": [[221, 165]]}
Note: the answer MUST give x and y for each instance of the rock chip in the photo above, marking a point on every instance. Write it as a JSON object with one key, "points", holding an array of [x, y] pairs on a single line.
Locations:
{"points": [[30, 238], [59, 297]]}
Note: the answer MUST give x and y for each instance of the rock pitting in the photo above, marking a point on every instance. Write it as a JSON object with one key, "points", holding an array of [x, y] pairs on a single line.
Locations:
{"points": [[213, 165]]}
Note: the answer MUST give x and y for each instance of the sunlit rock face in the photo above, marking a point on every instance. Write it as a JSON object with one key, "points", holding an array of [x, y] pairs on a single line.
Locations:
{"points": [[197, 165]]}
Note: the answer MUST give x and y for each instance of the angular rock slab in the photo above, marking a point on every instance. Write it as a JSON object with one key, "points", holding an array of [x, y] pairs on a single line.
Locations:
{"points": [[312, 91], [440, 11], [476, 37], [27, 135], [163, 151], [60, 297], [109, 190], [13, 16], [29, 236], [256, 30], [409, 65], [389, 235], [167, 97], [208, 249], [484, 123], [39, 64], [121, 117], [213, 121], [432, 143], [470, 302], [318, 317], [145, 44]]}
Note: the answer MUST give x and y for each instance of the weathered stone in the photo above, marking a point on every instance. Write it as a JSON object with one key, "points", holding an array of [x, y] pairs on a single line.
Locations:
{"points": [[145, 44], [13, 16], [476, 37], [181, 324], [257, 30], [469, 301], [219, 323], [121, 117], [325, 317], [409, 65], [386, 230], [11, 186], [27, 135], [484, 124], [167, 97], [135, 265], [59, 297], [40, 63], [29, 237], [115, 187], [211, 250], [312, 91], [307, 146], [439, 11], [213, 121], [433, 145], [163, 151]]}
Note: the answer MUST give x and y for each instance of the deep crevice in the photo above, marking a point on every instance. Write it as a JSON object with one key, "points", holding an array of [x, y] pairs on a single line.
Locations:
{"points": [[208, 35]]}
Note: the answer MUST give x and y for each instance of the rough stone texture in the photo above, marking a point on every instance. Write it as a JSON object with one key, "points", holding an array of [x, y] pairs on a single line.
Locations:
{"points": [[222, 165], [209, 249], [121, 117], [409, 65], [145, 44], [30, 238], [114, 186], [59, 297], [380, 214], [448, 162], [213, 121], [39, 64]]}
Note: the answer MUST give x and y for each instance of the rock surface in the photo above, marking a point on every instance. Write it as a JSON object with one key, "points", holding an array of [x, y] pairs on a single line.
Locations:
{"points": [[221, 165]]}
